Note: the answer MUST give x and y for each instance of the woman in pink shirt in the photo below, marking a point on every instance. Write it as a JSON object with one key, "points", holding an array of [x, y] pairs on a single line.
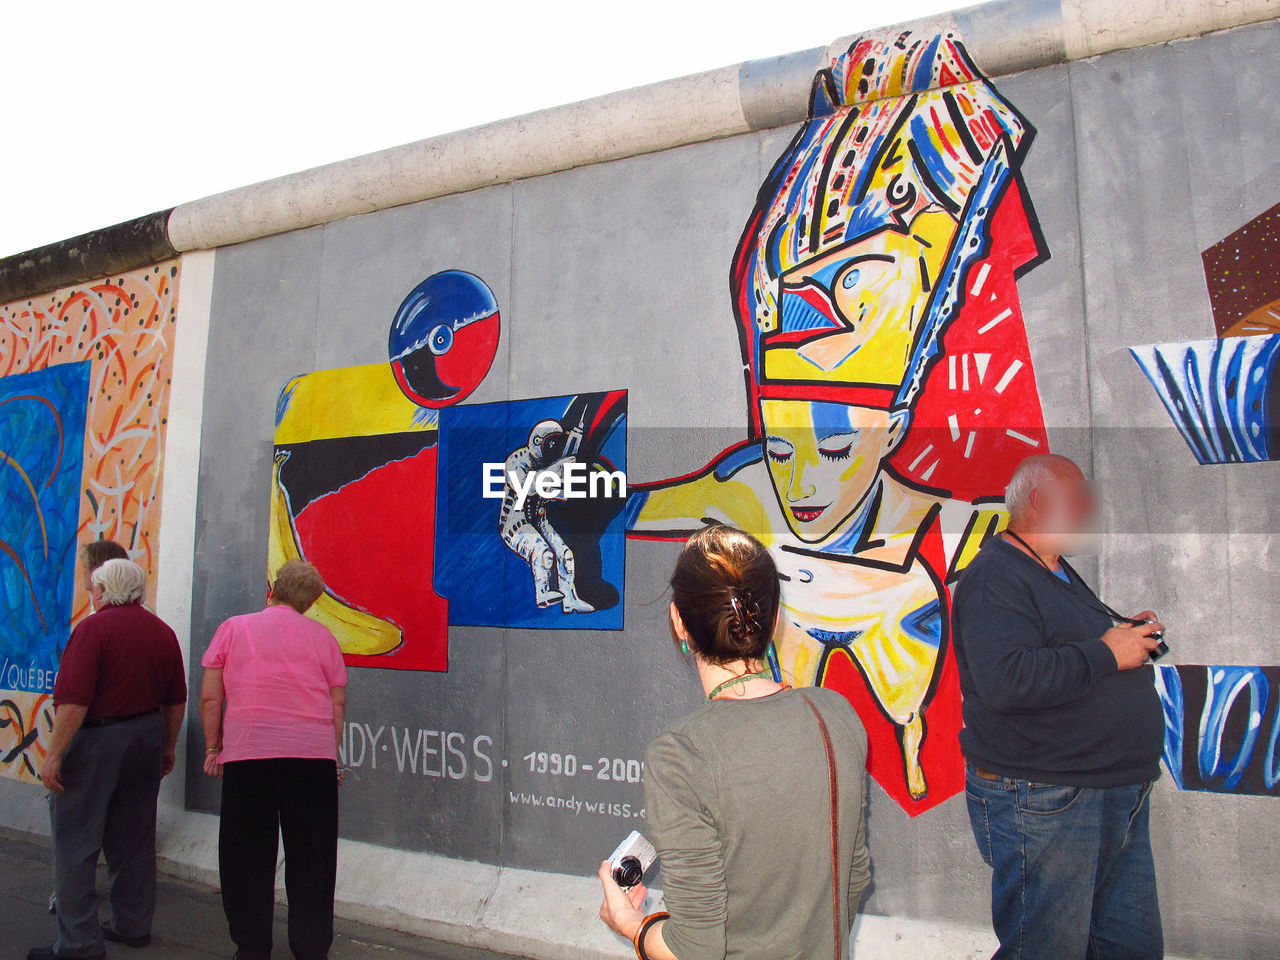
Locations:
{"points": [[282, 681]]}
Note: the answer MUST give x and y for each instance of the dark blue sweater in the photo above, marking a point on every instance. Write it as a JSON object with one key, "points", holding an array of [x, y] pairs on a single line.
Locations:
{"points": [[1043, 699]]}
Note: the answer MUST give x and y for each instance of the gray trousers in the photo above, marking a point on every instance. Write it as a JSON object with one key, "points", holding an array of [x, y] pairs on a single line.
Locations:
{"points": [[112, 779]]}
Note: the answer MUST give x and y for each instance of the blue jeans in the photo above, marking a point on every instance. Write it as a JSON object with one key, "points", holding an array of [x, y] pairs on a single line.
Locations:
{"points": [[1071, 871]]}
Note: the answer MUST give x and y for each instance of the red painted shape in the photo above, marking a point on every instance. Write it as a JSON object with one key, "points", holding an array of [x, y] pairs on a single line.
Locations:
{"points": [[990, 328], [933, 455], [940, 753], [465, 363], [374, 543]]}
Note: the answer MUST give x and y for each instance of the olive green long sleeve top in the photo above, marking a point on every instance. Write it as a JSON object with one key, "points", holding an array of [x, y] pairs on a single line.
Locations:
{"points": [[738, 803]]}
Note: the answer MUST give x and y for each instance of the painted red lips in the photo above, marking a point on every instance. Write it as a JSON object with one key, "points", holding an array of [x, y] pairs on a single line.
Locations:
{"points": [[808, 514]]}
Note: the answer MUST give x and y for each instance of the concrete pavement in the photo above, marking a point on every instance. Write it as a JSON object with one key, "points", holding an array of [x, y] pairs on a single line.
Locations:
{"points": [[189, 923]]}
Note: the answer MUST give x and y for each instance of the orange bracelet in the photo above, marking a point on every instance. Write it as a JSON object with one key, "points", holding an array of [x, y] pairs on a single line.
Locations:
{"points": [[645, 924]]}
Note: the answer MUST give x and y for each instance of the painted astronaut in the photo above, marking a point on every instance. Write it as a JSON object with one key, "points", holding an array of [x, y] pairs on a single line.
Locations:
{"points": [[527, 530], [848, 273]]}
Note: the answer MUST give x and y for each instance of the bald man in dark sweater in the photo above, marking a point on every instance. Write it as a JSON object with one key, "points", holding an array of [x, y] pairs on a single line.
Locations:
{"points": [[1063, 734]]}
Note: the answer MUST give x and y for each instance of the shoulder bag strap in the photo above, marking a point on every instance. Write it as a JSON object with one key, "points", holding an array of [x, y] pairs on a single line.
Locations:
{"points": [[835, 824]]}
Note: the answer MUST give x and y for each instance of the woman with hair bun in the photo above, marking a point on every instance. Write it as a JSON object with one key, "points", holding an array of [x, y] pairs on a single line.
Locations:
{"points": [[755, 801]]}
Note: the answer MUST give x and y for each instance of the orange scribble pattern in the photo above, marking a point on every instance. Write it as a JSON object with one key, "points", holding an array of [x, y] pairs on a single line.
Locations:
{"points": [[25, 718], [123, 325]]}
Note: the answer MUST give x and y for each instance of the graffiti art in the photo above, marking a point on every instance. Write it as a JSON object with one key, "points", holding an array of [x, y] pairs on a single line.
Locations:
{"points": [[353, 491], [1244, 284], [1222, 727], [354, 483], [380, 480], [1223, 394], [84, 393], [331, 494], [548, 553], [42, 420], [443, 338], [890, 390]]}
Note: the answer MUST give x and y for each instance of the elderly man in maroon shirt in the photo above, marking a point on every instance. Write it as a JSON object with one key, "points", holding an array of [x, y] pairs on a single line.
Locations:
{"points": [[119, 700]]}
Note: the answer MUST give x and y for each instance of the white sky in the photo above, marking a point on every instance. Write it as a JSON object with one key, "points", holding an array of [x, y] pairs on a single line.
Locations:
{"points": [[117, 108]]}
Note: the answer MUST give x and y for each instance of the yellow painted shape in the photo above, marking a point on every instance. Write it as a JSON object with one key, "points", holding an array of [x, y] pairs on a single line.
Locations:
{"points": [[969, 547], [363, 401], [883, 307], [733, 502]]}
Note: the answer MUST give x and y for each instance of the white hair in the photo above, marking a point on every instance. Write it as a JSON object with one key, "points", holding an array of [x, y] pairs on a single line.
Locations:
{"points": [[1028, 475], [122, 582]]}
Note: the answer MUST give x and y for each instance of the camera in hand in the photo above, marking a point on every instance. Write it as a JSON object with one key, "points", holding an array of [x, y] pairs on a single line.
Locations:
{"points": [[634, 856], [1158, 636]]}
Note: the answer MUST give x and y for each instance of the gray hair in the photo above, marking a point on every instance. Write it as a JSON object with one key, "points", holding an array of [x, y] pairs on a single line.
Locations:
{"points": [[1028, 475], [122, 582], [297, 584]]}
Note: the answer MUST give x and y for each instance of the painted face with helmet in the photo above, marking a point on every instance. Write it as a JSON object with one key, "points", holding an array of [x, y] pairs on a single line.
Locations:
{"points": [[545, 439], [853, 262]]}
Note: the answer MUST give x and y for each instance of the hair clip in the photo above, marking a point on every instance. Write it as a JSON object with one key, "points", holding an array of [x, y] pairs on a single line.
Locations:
{"points": [[745, 616]]}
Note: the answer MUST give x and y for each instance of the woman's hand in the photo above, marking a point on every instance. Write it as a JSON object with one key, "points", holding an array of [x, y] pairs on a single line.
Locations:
{"points": [[211, 765], [621, 908]]}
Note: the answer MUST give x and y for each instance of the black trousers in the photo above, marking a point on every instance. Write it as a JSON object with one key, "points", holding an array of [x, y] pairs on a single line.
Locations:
{"points": [[296, 799]]}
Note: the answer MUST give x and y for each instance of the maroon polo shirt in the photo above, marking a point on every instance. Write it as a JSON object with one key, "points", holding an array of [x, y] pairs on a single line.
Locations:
{"points": [[120, 661]]}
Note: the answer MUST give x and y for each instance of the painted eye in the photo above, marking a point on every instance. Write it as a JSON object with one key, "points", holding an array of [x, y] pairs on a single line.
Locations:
{"points": [[441, 339], [840, 453], [851, 279], [780, 452]]}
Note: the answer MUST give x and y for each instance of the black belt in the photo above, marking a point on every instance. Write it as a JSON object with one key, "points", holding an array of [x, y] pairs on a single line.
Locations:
{"points": [[112, 721]]}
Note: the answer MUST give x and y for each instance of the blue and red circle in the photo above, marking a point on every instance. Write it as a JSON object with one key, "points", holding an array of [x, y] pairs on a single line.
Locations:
{"points": [[444, 338]]}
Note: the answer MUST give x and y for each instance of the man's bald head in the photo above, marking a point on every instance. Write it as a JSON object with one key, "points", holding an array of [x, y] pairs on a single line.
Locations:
{"points": [[1049, 498], [1031, 474]]}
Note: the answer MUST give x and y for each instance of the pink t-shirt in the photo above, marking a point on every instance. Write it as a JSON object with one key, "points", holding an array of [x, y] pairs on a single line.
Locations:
{"points": [[277, 669]]}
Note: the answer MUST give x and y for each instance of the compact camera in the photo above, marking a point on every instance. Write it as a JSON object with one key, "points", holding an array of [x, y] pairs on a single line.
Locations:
{"points": [[634, 856], [1161, 647]]}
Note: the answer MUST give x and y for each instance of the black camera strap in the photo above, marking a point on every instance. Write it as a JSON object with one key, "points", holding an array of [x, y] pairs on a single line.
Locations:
{"points": [[1098, 603]]}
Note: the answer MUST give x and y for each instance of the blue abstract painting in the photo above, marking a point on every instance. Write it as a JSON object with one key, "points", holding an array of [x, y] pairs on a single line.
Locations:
{"points": [[529, 512], [42, 424], [1222, 727], [1223, 394]]}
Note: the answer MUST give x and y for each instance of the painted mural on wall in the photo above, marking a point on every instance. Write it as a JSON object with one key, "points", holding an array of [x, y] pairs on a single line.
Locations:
{"points": [[355, 468], [1223, 393], [546, 557], [379, 481], [890, 390], [41, 445], [1222, 727], [84, 387], [1244, 284], [1222, 723], [347, 448]]}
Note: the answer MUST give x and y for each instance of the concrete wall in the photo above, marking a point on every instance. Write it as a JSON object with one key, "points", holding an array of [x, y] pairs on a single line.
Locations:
{"points": [[86, 376], [614, 276]]}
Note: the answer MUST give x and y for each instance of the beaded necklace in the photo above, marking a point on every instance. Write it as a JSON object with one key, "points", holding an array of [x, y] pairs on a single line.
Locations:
{"points": [[735, 681]]}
